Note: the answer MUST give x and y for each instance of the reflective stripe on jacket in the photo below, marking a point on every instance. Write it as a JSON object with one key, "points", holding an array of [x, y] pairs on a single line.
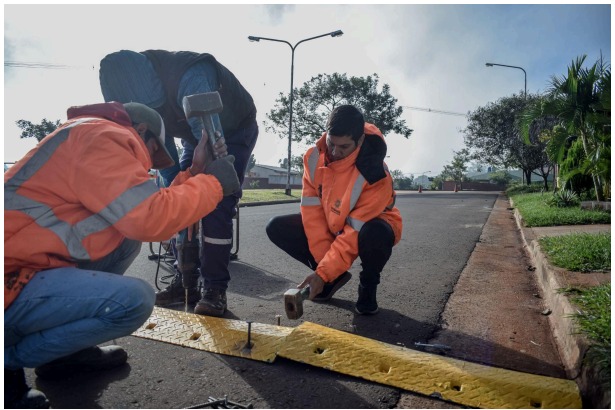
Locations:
{"points": [[336, 201], [81, 191]]}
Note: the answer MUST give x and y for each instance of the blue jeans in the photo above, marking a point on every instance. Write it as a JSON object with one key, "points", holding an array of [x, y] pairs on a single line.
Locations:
{"points": [[64, 310]]}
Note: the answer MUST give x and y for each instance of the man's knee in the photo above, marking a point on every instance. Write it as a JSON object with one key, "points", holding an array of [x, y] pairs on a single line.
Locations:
{"points": [[376, 234], [144, 297]]}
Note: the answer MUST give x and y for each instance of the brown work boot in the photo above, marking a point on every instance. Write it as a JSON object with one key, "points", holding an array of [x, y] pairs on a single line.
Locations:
{"points": [[18, 395], [331, 287], [90, 359], [213, 303], [175, 293]]}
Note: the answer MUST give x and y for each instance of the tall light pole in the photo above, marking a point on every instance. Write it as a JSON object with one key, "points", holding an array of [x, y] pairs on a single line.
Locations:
{"points": [[511, 66], [336, 33], [525, 74]]}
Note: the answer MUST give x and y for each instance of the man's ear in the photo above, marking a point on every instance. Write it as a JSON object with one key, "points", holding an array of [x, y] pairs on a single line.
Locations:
{"points": [[141, 128]]}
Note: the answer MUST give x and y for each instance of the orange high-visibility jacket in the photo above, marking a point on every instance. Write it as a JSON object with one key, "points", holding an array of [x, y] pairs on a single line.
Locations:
{"points": [[82, 190], [340, 196]]}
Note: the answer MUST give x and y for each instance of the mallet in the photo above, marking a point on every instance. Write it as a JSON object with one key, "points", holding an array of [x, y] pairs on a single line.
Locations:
{"points": [[203, 106], [293, 302]]}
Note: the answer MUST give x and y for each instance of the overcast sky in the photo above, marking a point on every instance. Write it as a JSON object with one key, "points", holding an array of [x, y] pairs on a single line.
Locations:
{"points": [[432, 57]]}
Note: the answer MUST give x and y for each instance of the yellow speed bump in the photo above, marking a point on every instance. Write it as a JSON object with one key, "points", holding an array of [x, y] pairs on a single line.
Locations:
{"points": [[216, 335], [454, 380], [451, 379]]}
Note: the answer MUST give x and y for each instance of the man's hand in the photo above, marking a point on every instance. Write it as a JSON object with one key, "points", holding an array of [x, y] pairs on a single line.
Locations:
{"points": [[220, 148], [315, 283], [202, 156]]}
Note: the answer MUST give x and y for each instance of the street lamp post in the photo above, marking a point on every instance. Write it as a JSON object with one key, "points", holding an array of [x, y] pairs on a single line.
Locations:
{"points": [[525, 75], [511, 66], [336, 33]]}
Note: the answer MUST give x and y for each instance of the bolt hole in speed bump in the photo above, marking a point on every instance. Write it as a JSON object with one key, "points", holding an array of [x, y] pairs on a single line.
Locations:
{"points": [[454, 380]]}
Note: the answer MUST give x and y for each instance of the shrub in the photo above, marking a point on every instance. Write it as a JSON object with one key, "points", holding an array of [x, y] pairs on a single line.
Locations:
{"points": [[564, 198], [518, 188]]}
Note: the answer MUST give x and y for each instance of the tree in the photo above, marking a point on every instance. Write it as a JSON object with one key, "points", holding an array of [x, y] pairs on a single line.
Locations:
{"points": [[296, 163], [581, 103], [251, 163], [315, 100], [400, 181], [456, 169], [38, 131], [494, 135]]}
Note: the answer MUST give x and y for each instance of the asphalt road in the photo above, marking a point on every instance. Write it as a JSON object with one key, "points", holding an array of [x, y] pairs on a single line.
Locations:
{"points": [[440, 231]]}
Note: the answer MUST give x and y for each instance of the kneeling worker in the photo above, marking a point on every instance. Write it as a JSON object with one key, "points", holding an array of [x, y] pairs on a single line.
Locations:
{"points": [[76, 209], [347, 210]]}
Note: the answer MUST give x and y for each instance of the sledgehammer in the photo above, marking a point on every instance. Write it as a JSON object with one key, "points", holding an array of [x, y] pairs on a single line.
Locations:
{"points": [[293, 302], [203, 106]]}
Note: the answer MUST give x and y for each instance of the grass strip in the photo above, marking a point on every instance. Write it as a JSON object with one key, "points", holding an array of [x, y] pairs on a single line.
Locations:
{"points": [[579, 252], [535, 212]]}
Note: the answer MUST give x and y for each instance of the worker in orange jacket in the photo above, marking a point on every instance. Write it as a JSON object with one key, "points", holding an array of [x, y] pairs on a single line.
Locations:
{"points": [[347, 210], [76, 209]]}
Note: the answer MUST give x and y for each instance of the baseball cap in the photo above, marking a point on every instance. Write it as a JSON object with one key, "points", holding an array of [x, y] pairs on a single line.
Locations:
{"points": [[141, 113]]}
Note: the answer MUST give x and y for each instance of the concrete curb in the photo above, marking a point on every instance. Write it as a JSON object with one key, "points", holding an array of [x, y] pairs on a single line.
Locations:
{"points": [[572, 347]]}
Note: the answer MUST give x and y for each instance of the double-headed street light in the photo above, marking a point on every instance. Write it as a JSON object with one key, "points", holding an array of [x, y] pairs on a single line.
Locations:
{"points": [[336, 33], [511, 66]]}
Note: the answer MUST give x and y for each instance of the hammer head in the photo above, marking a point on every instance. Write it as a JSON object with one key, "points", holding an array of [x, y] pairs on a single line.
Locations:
{"points": [[293, 302], [198, 105]]}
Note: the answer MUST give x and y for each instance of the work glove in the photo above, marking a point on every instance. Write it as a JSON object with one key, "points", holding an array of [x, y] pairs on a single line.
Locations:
{"points": [[225, 173]]}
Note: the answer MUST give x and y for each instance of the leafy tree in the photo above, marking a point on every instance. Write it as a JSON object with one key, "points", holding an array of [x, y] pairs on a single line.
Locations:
{"points": [[400, 181], [500, 177], [456, 169], [494, 136], [314, 101], [296, 163], [251, 163], [38, 131], [581, 103]]}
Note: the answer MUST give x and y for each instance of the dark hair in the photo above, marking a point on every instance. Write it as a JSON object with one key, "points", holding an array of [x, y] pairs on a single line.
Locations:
{"points": [[346, 120]]}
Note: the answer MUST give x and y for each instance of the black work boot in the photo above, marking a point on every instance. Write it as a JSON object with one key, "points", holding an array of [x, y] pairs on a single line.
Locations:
{"points": [[213, 303], [175, 293], [367, 304], [331, 287], [18, 395], [90, 359]]}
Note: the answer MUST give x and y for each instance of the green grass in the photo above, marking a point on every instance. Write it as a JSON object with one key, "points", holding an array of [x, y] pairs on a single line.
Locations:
{"points": [[580, 252], [266, 195], [594, 320], [535, 212]]}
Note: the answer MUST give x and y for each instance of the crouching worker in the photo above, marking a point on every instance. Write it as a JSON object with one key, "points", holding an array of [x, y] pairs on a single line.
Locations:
{"points": [[347, 210], [76, 209]]}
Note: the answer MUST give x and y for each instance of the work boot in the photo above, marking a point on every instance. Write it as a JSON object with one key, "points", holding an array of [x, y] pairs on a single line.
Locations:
{"points": [[213, 303], [331, 287], [175, 293], [90, 359], [18, 395], [367, 304]]}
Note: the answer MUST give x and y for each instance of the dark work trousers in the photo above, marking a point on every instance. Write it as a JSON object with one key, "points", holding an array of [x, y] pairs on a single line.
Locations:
{"points": [[376, 240], [217, 226]]}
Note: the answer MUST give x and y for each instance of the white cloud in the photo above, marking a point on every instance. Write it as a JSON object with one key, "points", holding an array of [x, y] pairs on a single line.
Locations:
{"points": [[432, 56]]}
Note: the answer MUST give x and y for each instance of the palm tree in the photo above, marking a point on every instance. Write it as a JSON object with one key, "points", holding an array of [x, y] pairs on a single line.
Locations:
{"points": [[581, 103]]}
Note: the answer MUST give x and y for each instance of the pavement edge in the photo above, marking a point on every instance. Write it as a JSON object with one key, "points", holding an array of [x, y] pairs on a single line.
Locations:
{"points": [[572, 346]]}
